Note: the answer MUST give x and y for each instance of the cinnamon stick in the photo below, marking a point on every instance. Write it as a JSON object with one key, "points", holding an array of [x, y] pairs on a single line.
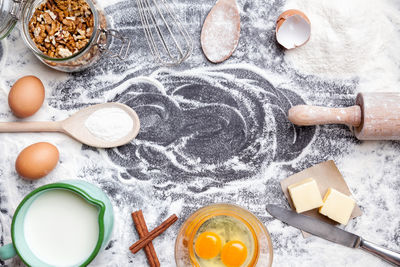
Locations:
{"points": [[142, 230], [153, 234], [141, 227]]}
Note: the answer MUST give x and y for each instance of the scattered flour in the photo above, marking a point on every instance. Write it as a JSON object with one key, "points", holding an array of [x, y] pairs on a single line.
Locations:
{"points": [[109, 124], [157, 197], [351, 39]]}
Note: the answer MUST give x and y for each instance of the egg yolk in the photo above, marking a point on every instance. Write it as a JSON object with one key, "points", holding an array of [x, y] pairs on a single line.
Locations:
{"points": [[234, 254], [208, 245]]}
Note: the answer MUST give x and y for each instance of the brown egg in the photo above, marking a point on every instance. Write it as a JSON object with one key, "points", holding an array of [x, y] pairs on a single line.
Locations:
{"points": [[37, 160], [26, 96]]}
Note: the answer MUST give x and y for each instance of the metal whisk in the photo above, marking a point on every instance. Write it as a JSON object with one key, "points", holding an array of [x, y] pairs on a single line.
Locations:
{"points": [[168, 39]]}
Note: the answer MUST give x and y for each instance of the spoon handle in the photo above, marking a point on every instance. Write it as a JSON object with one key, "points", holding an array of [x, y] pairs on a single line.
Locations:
{"points": [[39, 126]]}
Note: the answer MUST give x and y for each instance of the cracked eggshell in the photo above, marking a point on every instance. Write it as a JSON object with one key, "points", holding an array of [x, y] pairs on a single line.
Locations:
{"points": [[293, 29]]}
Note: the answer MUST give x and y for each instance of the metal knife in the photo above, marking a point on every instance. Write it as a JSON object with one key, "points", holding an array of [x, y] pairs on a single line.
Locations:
{"points": [[332, 233]]}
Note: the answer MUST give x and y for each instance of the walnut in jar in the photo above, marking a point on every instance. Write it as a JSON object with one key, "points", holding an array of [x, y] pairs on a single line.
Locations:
{"points": [[61, 28]]}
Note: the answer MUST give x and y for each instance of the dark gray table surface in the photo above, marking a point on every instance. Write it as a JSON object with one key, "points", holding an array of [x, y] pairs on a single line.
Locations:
{"points": [[209, 133]]}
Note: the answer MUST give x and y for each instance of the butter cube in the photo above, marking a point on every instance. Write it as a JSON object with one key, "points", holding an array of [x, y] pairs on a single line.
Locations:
{"points": [[337, 206], [305, 195]]}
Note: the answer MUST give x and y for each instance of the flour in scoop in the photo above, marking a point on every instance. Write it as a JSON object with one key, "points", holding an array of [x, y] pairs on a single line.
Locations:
{"points": [[220, 35], [109, 124]]}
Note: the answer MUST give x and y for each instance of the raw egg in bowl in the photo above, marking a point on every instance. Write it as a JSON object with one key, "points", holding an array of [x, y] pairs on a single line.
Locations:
{"points": [[223, 235]]}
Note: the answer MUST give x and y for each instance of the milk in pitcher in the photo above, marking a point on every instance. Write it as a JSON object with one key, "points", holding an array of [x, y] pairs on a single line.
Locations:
{"points": [[61, 228]]}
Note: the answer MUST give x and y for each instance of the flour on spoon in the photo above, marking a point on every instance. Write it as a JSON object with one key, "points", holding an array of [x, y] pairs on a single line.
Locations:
{"points": [[109, 124], [221, 32]]}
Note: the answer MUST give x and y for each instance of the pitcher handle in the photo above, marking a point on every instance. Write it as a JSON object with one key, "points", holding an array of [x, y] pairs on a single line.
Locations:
{"points": [[7, 252]]}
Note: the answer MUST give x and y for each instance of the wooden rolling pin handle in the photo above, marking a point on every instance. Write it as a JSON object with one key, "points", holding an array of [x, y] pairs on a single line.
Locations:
{"points": [[230, 2], [304, 115], [45, 126]]}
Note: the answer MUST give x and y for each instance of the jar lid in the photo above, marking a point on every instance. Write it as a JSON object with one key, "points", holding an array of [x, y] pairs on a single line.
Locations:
{"points": [[9, 12]]}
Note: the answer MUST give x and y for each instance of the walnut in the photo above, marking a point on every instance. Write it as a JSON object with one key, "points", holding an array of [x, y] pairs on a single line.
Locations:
{"points": [[64, 52], [61, 28]]}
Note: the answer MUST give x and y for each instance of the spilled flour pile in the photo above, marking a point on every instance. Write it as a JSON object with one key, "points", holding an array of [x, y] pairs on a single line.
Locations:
{"points": [[350, 39]]}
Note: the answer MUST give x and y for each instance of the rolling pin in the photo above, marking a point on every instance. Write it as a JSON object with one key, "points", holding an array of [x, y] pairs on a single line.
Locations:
{"points": [[376, 116]]}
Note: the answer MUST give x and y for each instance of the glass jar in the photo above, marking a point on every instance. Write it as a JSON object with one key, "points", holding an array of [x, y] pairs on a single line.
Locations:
{"points": [[98, 46], [185, 239]]}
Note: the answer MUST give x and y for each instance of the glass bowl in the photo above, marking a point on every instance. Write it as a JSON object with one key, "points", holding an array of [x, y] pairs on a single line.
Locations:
{"points": [[184, 255]]}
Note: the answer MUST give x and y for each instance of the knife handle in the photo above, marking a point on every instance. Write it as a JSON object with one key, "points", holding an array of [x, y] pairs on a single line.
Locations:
{"points": [[388, 255]]}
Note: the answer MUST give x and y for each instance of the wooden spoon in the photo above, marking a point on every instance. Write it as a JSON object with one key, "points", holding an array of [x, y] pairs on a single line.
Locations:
{"points": [[221, 31], [75, 127]]}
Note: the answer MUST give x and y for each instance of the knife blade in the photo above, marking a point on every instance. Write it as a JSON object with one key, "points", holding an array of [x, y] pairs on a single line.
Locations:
{"points": [[332, 233], [315, 227]]}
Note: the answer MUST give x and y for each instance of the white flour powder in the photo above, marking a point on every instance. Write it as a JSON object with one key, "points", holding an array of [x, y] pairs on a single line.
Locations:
{"points": [[109, 124], [351, 39]]}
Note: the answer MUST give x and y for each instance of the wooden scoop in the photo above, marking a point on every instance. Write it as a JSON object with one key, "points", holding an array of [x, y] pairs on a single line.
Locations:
{"points": [[75, 127], [221, 31], [376, 116]]}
